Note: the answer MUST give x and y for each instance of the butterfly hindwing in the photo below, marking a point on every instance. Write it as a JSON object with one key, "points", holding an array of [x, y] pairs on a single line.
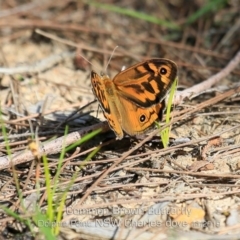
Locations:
{"points": [[141, 120]]}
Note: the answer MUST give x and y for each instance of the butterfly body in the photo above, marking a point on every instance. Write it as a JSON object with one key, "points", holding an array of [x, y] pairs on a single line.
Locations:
{"points": [[133, 100]]}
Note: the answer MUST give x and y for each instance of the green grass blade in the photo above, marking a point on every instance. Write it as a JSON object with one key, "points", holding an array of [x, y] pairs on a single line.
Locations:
{"points": [[50, 211], [4, 133], [210, 6], [15, 177], [170, 100], [59, 208], [165, 132], [60, 161], [135, 14], [16, 216], [83, 139], [45, 226]]}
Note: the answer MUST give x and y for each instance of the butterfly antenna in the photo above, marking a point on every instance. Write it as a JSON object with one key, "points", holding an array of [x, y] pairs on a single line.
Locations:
{"points": [[105, 70], [94, 67]]}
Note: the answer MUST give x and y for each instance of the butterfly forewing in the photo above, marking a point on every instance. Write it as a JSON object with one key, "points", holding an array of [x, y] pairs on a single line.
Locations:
{"points": [[103, 89], [151, 80], [99, 91]]}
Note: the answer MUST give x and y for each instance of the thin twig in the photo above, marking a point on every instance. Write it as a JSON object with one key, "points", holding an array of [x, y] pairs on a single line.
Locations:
{"points": [[39, 66], [203, 86], [52, 147], [21, 8]]}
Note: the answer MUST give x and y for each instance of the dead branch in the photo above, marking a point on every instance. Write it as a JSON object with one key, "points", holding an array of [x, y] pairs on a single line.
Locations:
{"points": [[203, 86], [52, 147], [38, 66], [21, 8]]}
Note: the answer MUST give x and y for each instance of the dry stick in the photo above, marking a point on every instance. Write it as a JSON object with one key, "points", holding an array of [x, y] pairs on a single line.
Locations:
{"points": [[38, 66], [197, 174], [47, 24], [203, 86], [52, 147], [49, 62], [197, 66], [180, 46], [19, 9], [77, 45], [37, 115], [122, 52]]}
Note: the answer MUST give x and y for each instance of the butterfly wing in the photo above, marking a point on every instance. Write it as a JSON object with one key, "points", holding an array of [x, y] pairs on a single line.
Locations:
{"points": [[103, 89], [136, 120], [133, 101], [99, 91], [146, 83]]}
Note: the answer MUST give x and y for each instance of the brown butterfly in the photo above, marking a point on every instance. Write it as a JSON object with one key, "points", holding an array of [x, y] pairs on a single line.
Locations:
{"points": [[134, 99]]}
